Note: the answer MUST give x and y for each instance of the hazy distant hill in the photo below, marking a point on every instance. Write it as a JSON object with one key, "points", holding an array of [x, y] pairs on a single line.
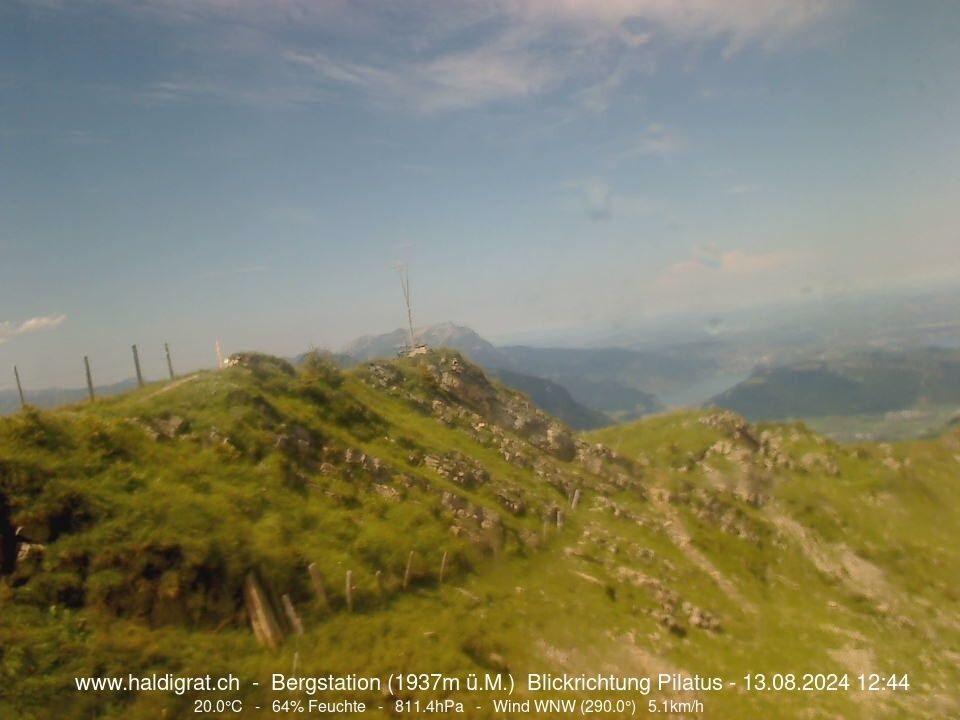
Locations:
{"points": [[652, 371], [606, 380], [616, 399], [54, 397], [463, 339], [888, 319], [554, 399], [856, 383]]}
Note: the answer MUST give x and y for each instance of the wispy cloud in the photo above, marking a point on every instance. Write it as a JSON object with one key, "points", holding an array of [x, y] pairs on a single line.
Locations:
{"points": [[741, 21], [541, 45], [497, 71], [10, 330], [715, 277], [438, 56]]}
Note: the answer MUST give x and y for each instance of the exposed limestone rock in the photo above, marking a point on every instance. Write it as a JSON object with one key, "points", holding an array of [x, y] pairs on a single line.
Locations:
{"points": [[360, 460], [385, 375], [478, 400], [463, 508], [511, 499], [353, 456], [560, 442], [387, 492], [671, 605], [602, 503], [458, 468], [708, 506], [167, 428], [514, 452], [443, 412], [589, 578], [734, 426], [30, 550], [701, 618], [819, 462], [561, 483]]}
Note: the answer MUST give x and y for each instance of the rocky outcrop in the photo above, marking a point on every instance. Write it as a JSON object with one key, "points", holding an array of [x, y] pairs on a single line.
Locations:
{"points": [[672, 609], [467, 386], [458, 468]]}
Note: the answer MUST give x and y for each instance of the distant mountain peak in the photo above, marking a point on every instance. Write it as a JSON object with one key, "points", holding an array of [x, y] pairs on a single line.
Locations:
{"points": [[447, 334], [452, 331]]}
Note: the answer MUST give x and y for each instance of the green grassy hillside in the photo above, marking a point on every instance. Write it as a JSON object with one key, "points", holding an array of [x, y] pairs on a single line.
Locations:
{"points": [[873, 394], [697, 544]]}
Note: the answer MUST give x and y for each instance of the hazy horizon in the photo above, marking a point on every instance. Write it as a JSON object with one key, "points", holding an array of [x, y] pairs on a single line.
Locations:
{"points": [[658, 333]]}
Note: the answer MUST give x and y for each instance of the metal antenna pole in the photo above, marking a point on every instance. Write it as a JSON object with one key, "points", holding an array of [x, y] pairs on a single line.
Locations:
{"points": [[405, 284]]}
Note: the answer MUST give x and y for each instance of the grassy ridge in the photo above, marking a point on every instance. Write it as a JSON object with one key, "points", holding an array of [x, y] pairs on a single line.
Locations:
{"points": [[700, 543]]}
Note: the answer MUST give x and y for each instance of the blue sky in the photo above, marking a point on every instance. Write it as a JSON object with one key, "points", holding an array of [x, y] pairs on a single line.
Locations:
{"points": [[251, 170]]}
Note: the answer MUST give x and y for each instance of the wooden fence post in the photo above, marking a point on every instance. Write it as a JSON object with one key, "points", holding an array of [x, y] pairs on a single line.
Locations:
{"points": [[406, 573], [16, 374], [576, 499], [166, 349], [318, 587], [291, 613], [262, 619], [86, 364], [443, 567], [136, 365]]}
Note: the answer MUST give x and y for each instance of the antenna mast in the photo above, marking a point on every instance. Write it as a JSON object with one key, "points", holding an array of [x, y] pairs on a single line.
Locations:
{"points": [[405, 284]]}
